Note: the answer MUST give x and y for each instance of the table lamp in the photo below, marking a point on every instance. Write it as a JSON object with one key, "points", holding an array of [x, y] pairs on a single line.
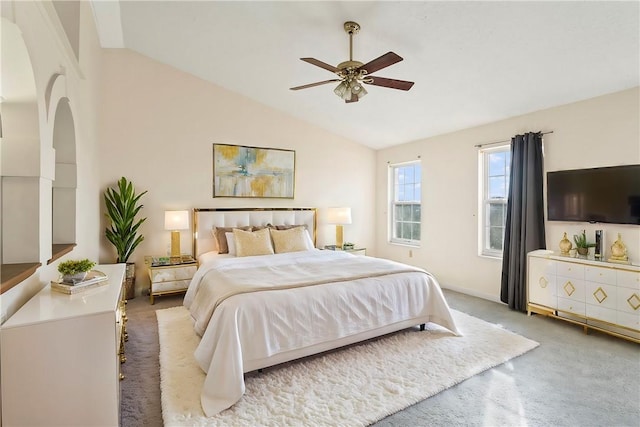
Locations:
{"points": [[339, 217], [174, 221]]}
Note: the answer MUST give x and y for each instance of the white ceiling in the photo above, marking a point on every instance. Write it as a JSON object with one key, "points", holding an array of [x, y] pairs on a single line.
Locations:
{"points": [[472, 62]]}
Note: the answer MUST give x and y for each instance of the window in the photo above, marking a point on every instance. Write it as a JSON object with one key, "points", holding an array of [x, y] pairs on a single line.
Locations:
{"points": [[405, 184], [494, 176]]}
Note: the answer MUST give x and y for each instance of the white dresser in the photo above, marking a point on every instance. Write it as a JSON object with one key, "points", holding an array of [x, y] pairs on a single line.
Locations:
{"points": [[61, 357], [595, 294]]}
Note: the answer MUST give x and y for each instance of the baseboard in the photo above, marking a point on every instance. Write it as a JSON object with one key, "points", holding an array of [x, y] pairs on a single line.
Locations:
{"points": [[472, 293]]}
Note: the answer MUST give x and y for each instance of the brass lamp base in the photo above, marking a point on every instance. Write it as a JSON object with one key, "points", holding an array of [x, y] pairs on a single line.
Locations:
{"points": [[176, 256], [339, 238]]}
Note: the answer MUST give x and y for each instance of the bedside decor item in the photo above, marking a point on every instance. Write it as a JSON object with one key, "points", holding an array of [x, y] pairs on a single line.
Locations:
{"points": [[565, 245], [123, 205], [619, 251], [176, 221], [581, 243], [348, 246], [339, 217], [75, 271], [240, 171]]}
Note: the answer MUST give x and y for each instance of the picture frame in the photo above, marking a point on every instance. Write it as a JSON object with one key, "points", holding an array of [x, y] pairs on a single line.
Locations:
{"points": [[253, 172]]}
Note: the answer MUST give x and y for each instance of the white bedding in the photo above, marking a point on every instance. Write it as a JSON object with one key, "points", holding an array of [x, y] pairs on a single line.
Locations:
{"points": [[248, 331]]}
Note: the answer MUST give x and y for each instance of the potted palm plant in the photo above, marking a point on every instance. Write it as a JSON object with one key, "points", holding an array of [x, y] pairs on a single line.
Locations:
{"points": [[123, 205]]}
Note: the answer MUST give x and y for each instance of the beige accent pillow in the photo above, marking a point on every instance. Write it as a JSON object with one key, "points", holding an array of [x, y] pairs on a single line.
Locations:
{"points": [[249, 243], [290, 240], [221, 238]]}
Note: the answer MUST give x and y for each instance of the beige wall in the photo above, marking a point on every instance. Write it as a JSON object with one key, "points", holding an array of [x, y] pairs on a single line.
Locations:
{"points": [[158, 126], [602, 131]]}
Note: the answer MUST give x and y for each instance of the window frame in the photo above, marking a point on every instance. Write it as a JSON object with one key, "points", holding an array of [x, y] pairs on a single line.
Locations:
{"points": [[392, 202], [484, 247]]}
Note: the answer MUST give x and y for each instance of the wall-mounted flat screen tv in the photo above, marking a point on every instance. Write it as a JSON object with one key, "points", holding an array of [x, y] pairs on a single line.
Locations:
{"points": [[608, 194]]}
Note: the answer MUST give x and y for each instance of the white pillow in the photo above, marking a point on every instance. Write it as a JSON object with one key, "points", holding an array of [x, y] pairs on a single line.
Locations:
{"points": [[249, 243], [291, 240], [231, 243]]}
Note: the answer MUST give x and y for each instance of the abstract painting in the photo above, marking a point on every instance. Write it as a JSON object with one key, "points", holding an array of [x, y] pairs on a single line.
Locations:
{"points": [[240, 171]]}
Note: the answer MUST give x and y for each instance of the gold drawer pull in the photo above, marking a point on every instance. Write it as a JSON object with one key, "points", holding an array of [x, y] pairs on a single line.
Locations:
{"points": [[600, 295], [569, 288], [543, 282], [634, 301], [121, 376]]}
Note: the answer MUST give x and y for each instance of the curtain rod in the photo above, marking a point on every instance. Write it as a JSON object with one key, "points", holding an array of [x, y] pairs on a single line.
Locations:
{"points": [[503, 142]]}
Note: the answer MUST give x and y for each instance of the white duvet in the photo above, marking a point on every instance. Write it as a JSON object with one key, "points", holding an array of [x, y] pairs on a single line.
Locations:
{"points": [[298, 314]]}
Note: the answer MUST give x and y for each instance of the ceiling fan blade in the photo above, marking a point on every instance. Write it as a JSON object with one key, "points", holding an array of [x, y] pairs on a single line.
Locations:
{"points": [[314, 84], [321, 64], [390, 83], [381, 62]]}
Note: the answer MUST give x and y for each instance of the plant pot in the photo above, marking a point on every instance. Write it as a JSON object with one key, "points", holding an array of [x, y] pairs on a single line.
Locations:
{"points": [[583, 251], [130, 281]]}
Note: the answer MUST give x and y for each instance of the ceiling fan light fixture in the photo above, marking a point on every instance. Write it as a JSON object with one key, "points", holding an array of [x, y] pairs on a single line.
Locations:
{"points": [[342, 89]]}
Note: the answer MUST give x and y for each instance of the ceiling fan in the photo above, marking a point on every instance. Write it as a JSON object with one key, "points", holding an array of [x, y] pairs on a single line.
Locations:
{"points": [[351, 74]]}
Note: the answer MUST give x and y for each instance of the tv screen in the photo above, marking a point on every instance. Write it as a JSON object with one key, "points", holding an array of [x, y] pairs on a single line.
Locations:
{"points": [[609, 194]]}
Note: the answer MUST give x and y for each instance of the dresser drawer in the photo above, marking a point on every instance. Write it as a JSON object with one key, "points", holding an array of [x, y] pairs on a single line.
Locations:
{"points": [[171, 274], [602, 313], [170, 286], [629, 320], [600, 275], [628, 279], [574, 271], [571, 306], [601, 295], [628, 301], [571, 288]]}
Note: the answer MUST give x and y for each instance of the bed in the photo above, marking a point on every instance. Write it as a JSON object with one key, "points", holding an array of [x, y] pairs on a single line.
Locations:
{"points": [[255, 310]]}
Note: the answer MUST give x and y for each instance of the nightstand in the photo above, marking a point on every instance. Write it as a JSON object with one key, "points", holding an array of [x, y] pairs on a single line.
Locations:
{"points": [[169, 279], [354, 251], [357, 251]]}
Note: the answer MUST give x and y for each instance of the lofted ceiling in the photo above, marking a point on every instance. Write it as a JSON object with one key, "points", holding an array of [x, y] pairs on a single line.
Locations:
{"points": [[472, 62]]}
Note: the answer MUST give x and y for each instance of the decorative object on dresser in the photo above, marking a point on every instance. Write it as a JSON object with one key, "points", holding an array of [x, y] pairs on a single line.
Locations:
{"points": [[91, 280], [175, 221], [339, 217], [75, 270], [581, 243], [240, 171], [594, 294], [61, 357], [565, 245], [122, 208], [599, 245], [619, 251], [169, 279]]}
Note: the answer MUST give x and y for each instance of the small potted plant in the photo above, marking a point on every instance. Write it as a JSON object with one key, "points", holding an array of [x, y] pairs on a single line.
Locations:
{"points": [[75, 270], [582, 245]]}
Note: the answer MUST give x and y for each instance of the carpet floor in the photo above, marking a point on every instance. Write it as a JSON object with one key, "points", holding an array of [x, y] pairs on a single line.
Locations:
{"points": [[358, 385]]}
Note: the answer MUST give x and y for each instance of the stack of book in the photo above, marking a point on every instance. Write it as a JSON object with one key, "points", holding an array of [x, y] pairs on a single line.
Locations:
{"points": [[94, 279]]}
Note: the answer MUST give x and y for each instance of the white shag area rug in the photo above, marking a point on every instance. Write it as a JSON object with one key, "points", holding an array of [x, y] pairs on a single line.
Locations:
{"points": [[355, 386]]}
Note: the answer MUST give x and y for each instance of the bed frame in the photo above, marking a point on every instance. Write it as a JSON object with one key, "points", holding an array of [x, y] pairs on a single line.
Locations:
{"points": [[205, 219]]}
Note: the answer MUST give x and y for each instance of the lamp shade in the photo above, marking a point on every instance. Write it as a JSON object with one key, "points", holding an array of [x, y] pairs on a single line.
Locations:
{"points": [[339, 216], [176, 220]]}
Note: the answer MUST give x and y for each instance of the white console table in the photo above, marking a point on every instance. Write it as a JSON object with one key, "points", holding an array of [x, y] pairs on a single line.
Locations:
{"points": [[61, 357], [597, 295]]}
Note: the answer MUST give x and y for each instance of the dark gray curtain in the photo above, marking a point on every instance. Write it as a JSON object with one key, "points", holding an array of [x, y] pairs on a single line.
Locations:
{"points": [[524, 231]]}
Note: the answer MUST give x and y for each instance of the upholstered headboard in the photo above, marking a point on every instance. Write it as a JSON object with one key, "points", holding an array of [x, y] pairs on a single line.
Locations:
{"points": [[205, 219]]}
